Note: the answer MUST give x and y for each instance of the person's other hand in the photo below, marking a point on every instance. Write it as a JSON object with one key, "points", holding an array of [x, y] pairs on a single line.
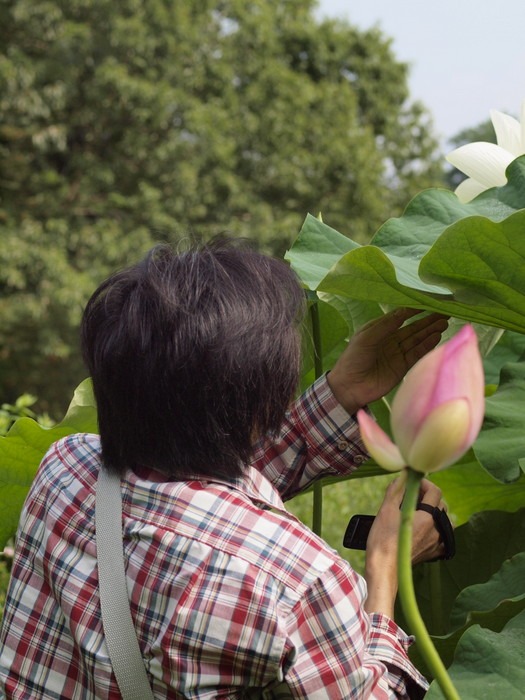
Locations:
{"points": [[426, 540], [383, 537], [382, 544], [380, 354]]}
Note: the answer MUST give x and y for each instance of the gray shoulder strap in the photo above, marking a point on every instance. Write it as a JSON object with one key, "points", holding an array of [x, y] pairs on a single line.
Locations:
{"points": [[119, 631]]}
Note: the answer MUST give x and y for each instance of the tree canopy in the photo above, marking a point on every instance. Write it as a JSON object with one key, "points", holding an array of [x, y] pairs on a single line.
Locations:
{"points": [[123, 124]]}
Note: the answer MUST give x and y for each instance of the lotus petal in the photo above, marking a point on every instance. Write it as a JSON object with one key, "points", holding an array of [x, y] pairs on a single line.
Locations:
{"points": [[484, 162], [443, 437], [468, 189], [378, 444], [508, 132]]}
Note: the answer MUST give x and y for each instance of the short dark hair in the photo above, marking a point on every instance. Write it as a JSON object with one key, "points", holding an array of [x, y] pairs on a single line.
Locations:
{"points": [[191, 355]]}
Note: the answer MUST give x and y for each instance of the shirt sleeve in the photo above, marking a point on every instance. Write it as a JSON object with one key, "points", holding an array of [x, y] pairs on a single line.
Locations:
{"points": [[334, 649], [318, 438]]}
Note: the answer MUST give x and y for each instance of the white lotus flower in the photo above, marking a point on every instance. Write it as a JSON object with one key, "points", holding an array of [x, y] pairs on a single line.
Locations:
{"points": [[485, 163]]}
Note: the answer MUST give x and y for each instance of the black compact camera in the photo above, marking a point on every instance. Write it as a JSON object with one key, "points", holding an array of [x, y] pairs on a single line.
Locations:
{"points": [[359, 526], [357, 531]]}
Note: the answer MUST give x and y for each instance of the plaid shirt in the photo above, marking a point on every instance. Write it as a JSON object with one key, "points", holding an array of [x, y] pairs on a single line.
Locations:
{"points": [[228, 591]]}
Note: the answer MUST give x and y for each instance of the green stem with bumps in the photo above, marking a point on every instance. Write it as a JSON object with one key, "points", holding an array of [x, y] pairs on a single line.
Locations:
{"points": [[406, 589]]}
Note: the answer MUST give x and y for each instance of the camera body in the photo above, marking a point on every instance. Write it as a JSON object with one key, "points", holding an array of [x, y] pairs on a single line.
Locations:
{"points": [[357, 531]]}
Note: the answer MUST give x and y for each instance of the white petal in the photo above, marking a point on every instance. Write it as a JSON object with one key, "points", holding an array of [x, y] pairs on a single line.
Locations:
{"points": [[508, 132], [468, 189], [484, 162]]}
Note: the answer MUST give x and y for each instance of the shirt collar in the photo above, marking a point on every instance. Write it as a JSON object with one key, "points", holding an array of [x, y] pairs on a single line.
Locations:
{"points": [[251, 483], [254, 485]]}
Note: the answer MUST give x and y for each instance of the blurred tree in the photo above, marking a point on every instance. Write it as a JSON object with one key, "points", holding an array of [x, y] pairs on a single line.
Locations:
{"points": [[10, 413], [124, 123]]}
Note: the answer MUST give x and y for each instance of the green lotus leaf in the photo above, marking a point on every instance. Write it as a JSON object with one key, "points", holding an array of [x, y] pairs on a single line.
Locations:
{"points": [[510, 347], [318, 246], [481, 262], [488, 664], [468, 488], [23, 448], [316, 249], [334, 332], [434, 210], [482, 584], [478, 265], [501, 443], [464, 260], [504, 589], [483, 544]]}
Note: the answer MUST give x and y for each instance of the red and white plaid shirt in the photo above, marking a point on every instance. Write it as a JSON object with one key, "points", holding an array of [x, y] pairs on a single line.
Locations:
{"points": [[228, 591]]}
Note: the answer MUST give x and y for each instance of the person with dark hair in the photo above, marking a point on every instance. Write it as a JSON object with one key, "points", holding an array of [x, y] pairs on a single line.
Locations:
{"points": [[195, 360], [190, 356]]}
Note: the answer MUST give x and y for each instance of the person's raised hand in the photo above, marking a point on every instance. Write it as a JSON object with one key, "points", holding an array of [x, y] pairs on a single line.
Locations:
{"points": [[380, 354]]}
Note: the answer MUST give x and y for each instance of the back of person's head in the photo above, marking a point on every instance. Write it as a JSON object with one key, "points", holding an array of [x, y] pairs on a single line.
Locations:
{"points": [[192, 355]]}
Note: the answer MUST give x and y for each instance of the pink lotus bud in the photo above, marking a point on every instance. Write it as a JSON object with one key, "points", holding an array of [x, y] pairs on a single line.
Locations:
{"points": [[437, 411]]}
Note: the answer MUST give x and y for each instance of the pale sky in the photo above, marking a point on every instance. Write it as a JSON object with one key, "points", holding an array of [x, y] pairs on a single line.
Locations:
{"points": [[466, 56]]}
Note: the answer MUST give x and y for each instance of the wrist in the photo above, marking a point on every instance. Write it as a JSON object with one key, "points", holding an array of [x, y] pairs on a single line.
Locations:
{"points": [[379, 566], [343, 394], [382, 591], [382, 583]]}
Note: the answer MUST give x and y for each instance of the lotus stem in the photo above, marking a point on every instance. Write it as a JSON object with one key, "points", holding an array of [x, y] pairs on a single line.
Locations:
{"points": [[407, 594], [317, 521]]}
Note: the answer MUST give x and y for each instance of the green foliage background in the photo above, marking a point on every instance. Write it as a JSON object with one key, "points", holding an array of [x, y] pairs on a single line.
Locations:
{"points": [[123, 124], [466, 261], [127, 123]]}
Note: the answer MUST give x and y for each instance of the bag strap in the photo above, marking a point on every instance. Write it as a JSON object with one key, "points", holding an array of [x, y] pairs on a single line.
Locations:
{"points": [[119, 631]]}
